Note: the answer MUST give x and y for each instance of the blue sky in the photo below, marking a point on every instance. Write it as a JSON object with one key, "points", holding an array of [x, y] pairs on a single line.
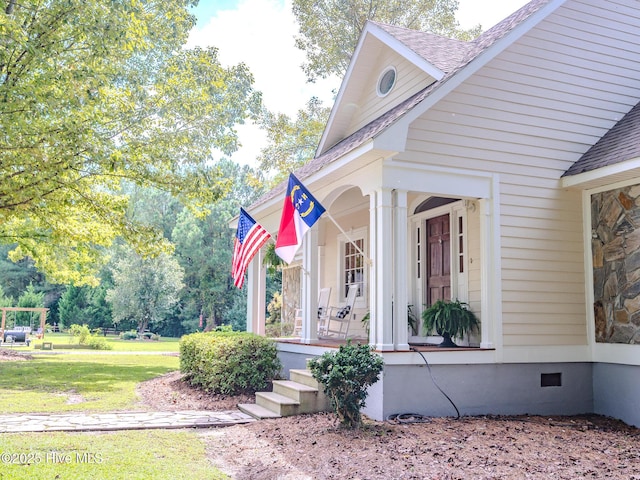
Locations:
{"points": [[260, 34]]}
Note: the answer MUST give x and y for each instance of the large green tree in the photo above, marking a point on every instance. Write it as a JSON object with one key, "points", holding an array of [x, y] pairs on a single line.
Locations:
{"points": [[329, 29], [204, 249], [292, 142], [94, 92], [84, 305], [145, 290]]}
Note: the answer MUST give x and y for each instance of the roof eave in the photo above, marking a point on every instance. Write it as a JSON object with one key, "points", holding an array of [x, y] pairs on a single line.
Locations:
{"points": [[604, 176]]}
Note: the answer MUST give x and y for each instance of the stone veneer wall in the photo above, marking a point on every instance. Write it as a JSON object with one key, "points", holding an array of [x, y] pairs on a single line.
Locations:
{"points": [[615, 245], [290, 293]]}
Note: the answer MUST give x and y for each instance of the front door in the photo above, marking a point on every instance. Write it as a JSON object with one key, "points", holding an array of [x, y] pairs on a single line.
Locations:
{"points": [[438, 281]]}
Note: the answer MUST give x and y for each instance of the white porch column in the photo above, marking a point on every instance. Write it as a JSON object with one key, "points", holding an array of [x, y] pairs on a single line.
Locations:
{"points": [[401, 271], [381, 323], [309, 294], [256, 295], [490, 295]]}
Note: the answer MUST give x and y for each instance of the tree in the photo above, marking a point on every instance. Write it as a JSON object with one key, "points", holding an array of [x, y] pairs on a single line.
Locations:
{"points": [[85, 305], [94, 92], [204, 248], [5, 300], [329, 29], [30, 298], [291, 143], [145, 290], [73, 306]]}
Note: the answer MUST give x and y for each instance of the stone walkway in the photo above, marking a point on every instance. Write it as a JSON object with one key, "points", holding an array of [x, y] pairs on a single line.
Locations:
{"points": [[102, 422]]}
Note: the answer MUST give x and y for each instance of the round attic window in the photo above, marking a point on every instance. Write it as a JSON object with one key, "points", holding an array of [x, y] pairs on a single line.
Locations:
{"points": [[386, 81]]}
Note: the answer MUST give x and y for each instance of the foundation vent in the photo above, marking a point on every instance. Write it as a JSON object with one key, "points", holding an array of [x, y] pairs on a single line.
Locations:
{"points": [[551, 380]]}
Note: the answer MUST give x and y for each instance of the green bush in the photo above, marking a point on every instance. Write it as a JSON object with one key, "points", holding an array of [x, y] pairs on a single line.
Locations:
{"points": [[345, 375], [228, 362], [150, 336], [89, 339], [131, 335]]}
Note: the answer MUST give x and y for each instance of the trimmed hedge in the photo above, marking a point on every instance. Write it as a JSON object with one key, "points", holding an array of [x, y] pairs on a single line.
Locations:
{"points": [[229, 363]]}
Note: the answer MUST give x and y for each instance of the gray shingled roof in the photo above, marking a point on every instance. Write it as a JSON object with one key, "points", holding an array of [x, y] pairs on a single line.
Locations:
{"points": [[619, 144], [462, 53], [442, 52]]}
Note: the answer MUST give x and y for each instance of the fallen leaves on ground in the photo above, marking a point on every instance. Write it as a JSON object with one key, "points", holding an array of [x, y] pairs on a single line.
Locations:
{"points": [[489, 447]]}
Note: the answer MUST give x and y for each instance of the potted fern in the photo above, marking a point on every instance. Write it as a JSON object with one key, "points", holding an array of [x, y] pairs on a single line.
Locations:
{"points": [[449, 319]]}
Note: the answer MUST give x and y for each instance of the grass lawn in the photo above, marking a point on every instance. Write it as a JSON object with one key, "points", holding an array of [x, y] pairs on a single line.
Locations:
{"points": [[93, 381], [168, 344], [78, 382], [132, 455]]}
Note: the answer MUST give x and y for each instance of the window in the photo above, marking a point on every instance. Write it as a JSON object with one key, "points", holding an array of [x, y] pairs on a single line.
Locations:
{"points": [[353, 266], [386, 81], [352, 269]]}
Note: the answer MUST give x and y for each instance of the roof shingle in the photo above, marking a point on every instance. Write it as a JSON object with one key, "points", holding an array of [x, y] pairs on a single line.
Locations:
{"points": [[619, 144]]}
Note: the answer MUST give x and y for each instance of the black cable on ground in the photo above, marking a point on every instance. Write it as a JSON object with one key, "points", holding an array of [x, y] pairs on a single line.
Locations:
{"points": [[408, 418], [435, 383]]}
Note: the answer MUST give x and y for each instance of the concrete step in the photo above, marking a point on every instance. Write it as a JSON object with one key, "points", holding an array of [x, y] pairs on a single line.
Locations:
{"points": [[257, 411], [304, 377], [283, 406], [294, 390], [310, 399]]}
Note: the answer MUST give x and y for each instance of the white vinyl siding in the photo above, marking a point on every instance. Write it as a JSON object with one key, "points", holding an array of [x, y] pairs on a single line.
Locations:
{"points": [[527, 117], [409, 80]]}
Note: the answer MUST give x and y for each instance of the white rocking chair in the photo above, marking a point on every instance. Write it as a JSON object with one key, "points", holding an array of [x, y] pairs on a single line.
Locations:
{"points": [[340, 317], [323, 313]]}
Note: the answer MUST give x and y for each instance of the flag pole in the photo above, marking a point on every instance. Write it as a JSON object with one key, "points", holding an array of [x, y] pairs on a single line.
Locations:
{"points": [[367, 259]]}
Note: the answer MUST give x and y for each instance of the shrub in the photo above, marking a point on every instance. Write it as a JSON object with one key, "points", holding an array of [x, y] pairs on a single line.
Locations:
{"points": [[150, 336], [88, 338], [228, 362], [130, 335], [345, 375]]}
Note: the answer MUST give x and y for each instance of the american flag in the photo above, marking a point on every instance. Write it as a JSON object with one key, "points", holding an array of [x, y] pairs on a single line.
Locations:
{"points": [[250, 237]]}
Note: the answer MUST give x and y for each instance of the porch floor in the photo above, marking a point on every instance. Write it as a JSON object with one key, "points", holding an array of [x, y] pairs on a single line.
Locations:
{"points": [[336, 342]]}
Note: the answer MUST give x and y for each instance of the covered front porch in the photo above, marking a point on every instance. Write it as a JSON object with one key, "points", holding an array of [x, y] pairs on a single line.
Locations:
{"points": [[405, 235]]}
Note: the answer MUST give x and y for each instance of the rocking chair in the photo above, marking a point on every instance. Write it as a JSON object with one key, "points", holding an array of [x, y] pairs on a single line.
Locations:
{"points": [[340, 317], [323, 313]]}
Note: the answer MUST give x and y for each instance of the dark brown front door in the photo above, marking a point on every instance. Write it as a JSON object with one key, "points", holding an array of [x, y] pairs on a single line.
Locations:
{"points": [[438, 259]]}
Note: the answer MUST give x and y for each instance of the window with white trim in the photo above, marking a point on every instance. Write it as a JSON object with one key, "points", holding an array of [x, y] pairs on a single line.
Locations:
{"points": [[353, 266]]}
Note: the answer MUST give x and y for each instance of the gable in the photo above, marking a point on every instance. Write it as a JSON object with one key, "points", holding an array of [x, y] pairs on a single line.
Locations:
{"points": [[419, 59], [368, 103]]}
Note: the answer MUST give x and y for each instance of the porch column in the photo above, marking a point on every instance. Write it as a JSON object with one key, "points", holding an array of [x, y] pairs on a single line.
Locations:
{"points": [[256, 295], [381, 322], [490, 297], [309, 294], [400, 270]]}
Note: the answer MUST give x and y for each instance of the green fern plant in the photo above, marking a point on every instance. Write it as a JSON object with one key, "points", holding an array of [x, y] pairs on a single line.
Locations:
{"points": [[449, 319]]}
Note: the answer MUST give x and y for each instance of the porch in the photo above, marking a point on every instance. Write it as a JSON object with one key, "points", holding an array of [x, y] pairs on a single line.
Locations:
{"points": [[401, 248]]}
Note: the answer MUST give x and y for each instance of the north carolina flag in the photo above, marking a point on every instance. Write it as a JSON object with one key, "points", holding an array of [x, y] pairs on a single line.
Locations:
{"points": [[300, 211], [250, 237]]}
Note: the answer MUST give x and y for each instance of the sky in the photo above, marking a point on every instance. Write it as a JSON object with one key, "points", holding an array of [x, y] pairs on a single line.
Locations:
{"points": [[261, 33]]}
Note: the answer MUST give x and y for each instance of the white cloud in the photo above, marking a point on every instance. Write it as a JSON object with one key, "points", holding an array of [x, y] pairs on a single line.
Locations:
{"points": [[260, 33]]}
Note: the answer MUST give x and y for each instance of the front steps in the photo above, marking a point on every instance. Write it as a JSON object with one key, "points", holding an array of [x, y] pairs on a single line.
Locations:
{"points": [[300, 394]]}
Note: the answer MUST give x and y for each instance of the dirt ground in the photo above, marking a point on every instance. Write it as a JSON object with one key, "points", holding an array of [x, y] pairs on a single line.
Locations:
{"points": [[315, 447]]}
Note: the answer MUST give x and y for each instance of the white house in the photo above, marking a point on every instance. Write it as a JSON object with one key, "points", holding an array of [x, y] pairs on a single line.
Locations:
{"points": [[504, 172]]}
